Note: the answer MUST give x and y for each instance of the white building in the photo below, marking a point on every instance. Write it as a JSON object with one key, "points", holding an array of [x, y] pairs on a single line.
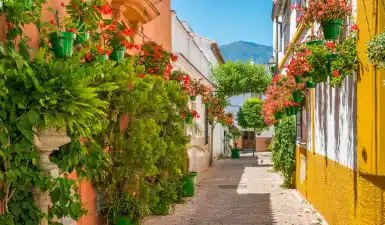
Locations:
{"points": [[196, 57]]}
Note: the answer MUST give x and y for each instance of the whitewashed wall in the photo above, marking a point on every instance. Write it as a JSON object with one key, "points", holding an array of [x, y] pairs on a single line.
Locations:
{"points": [[334, 114], [194, 60]]}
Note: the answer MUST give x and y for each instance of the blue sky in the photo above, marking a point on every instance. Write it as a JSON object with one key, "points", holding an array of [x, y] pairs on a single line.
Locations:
{"points": [[227, 21]]}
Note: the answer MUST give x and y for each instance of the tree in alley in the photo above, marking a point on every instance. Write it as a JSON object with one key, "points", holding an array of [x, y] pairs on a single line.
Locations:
{"points": [[249, 116]]}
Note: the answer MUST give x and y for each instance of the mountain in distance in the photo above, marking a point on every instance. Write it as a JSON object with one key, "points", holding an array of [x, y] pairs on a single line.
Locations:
{"points": [[243, 51]]}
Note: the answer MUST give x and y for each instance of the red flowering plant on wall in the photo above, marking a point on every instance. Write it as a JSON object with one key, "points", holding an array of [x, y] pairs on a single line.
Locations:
{"points": [[192, 113], [299, 66], [156, 59], [116, 33], [322, 10]]}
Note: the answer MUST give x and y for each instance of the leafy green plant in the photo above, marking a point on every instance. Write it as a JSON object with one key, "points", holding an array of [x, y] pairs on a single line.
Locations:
{"points": [[376, 50], [319, 71], [346, 62], [283, 154]]}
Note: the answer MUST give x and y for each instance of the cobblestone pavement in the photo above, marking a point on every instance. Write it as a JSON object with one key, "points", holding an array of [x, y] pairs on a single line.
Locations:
{"points": [[240, 191]]}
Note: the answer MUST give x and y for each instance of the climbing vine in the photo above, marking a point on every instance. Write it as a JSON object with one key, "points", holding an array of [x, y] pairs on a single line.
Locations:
{"points": [[283, 154]]}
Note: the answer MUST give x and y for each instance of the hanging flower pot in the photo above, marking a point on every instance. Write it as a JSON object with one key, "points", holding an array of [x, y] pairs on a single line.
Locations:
{"points": [[332, 28], [62, 43], [278, 115], [310, 84], [207, 105], [189, 119], [193, 97], [297, 97], [298, 79], [82, 36], [332, 56], [315, 42], [291, 110], [118, 53]]}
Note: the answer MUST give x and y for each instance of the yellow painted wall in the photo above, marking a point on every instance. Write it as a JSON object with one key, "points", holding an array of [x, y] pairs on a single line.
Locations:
{"points": [[340, 195]]}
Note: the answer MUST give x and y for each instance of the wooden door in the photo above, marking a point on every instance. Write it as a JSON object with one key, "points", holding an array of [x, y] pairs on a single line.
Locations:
{"points": [[248, 140]]}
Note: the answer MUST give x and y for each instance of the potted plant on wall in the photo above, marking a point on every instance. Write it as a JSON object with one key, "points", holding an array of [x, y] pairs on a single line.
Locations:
{"points": [[62, 37], [329, 13], [376, 50], [234, 134]]}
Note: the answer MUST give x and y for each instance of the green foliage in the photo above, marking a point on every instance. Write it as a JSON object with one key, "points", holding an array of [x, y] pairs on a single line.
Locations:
{"points": [[34, 96], [376, 50], [319, 72], [249, 115], [346, 62], [240, 78], [283, 154]]}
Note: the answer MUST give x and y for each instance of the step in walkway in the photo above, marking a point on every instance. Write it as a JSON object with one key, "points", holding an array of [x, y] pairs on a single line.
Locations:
{"points": [[243, 192]]}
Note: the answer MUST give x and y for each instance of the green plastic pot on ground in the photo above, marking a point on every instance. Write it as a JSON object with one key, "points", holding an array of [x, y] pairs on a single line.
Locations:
{"points": [[118, 53], [235, 153], [189, 184], [278, 115], [125, 220], [193, 97], [310, 84], [207, 105], [315, 42], [62, 43], [189, 119], [297, 97], [332, 28]]}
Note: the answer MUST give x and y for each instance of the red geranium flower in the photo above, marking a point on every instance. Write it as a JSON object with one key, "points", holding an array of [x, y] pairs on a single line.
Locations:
{"points": [[105, 9], [336, 73], [128, 32], [354, 27]]}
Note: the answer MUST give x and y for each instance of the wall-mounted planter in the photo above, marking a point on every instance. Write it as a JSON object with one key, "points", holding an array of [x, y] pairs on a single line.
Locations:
{"points": [[315, 42], [82, 36], [207, 105], [332, 56], [193, 97], [310, 84], [298, 79], [189, 184], [332, 28], [189, 119], [101, 58], [278, 115], [118, 53], [297, 97], [62, 43], [291, 111]]}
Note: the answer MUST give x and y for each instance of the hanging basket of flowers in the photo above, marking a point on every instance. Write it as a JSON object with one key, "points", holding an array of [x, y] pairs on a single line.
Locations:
{"points": [[329, 13]]}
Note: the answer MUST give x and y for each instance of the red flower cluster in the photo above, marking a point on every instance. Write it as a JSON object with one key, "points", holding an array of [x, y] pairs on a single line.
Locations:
{"points": [[195, 114], [299, 64], [156, 59], [105, 9]]}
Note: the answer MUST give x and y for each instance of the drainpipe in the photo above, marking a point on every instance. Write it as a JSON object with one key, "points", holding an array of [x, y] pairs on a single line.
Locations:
{"points": [[276, 41]]}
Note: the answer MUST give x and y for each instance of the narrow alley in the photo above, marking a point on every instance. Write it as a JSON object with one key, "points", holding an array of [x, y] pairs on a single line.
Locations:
{"points": [[240, 191]]}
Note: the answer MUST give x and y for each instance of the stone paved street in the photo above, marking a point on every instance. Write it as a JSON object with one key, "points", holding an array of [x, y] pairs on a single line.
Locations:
{"points": [[240, 191]]}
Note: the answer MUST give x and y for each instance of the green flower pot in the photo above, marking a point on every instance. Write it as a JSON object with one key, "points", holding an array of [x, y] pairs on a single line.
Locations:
{"points": [[332, 56], [273, 69], [298, 79], [278, 115], [62, 43], [276, 125], [189, 119], [291, 111], [315, 42], [189, 184], [207, 105], [125, 220], [332, 28], [310, 84], [193, 98], [235, 153], [297, 97], [101, 58], [118, 53], [82, 36]]}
